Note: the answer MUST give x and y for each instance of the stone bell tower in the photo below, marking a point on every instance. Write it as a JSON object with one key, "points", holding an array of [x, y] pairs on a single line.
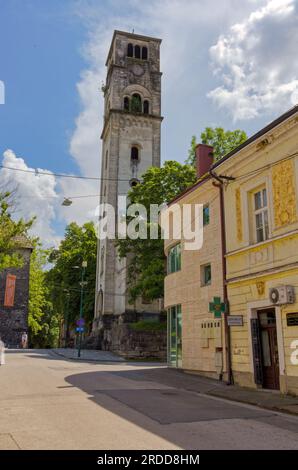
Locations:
{"points": [[130, 145]]}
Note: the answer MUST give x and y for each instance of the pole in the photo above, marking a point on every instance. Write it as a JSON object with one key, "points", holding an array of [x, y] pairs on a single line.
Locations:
{"points": [[84, 265], [66, 319]]}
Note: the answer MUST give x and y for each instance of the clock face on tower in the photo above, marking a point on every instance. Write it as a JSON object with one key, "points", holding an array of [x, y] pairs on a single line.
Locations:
{"points": [[138, 70]]}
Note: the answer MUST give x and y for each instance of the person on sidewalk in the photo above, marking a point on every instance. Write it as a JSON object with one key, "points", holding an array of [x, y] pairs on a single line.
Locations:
{"points": [[2, 353], [24, 340]]}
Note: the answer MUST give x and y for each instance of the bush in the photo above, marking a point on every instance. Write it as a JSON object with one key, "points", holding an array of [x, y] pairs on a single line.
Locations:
{"points": [[148, 325]]}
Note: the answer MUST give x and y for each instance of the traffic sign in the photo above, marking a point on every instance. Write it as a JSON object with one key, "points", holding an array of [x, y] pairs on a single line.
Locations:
{"points": [[80, 322]]}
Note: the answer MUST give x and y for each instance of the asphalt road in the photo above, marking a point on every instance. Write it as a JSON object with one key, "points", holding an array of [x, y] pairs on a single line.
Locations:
{"points": [[47, 402]]}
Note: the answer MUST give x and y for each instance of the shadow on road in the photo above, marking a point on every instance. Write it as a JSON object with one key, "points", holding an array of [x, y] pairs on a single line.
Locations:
{"points": [[154, 398]]}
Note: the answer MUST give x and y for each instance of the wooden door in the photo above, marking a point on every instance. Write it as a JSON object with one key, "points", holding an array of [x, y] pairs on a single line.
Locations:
{"points": [[269, 347]]}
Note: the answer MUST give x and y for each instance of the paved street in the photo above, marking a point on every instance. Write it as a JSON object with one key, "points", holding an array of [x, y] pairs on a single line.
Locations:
{"points": [[48, 402]]}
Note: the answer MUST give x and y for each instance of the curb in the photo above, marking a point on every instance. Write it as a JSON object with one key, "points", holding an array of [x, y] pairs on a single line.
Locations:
{"points": [[82, 359], [257, 404]]}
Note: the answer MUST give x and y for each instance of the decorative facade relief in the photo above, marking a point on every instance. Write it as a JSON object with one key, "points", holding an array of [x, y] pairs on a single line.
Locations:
{"points": [[259, 257], [260, 287], [284, 194]]}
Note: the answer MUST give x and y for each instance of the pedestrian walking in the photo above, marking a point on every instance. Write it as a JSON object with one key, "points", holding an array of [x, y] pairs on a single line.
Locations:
{"points": [[24, 340], [2, 353]]}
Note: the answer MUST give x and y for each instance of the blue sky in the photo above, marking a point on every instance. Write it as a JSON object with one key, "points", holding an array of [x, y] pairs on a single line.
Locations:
{"points": [[223, 66], [40, 66]]}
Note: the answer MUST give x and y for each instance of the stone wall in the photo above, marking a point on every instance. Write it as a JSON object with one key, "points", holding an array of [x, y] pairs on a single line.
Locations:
{"points": [[114, 333], [14, 320]]}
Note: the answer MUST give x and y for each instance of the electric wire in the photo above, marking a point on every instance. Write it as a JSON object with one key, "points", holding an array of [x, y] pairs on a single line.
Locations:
{"points": [[63, 175]]}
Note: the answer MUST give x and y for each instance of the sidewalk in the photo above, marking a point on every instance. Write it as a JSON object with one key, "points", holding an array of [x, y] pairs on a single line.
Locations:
{"points": [[262, 398], [88, 355], [268, 399]]}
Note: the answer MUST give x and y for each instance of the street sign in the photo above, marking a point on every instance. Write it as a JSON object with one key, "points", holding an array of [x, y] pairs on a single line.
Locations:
{"points": [[235, 320], [80, 329], [80, 322]]}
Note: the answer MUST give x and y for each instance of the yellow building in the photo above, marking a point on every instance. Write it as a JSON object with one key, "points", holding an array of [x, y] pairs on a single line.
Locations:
{"points": [[261, 214], [196, 340]]}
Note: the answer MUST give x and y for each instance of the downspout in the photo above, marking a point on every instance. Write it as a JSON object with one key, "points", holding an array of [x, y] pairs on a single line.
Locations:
{"points": [[219, 185]]}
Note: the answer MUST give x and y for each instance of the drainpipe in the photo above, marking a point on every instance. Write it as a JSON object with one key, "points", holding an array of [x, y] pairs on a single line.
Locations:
{"points": [[219, 185]]}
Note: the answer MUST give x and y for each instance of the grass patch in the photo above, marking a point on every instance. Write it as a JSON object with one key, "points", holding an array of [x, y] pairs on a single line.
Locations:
{"points": [[147, 325]]}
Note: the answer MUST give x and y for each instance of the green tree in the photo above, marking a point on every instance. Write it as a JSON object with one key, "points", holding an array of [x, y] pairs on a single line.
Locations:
{"points": [[79, 244], [12, 234], [222, 142], [147, 259], [41, 320]]}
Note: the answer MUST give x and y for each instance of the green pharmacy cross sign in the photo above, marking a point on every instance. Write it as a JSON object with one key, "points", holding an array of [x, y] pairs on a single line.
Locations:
{"points": [[217, 307]]}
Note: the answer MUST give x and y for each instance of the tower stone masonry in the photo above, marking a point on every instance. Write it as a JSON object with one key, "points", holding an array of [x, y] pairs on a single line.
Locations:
{"points": [[130, 145]]}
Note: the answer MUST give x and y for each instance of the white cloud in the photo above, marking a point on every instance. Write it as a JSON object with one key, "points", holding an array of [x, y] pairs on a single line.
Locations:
{"points": [[36, 195], [257, 62]]}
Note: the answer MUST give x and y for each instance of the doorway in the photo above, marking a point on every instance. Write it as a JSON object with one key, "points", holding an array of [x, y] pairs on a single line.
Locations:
{"points": [[175, 336], [269, 348]]}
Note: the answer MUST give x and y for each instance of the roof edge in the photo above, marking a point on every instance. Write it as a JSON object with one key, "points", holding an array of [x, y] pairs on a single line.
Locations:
{"points": [[258, 134]]}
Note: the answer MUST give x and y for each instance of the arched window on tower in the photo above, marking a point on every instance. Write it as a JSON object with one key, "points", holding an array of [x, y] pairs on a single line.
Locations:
{"points": [[146, 107], [134, 156], [136, 103], [130, 50], [137, 52], [144, 53], [126, 103]]}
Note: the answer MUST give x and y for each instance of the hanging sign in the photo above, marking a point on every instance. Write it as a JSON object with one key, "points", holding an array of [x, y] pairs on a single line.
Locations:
{"points": [[10, 290], [217, 307]]}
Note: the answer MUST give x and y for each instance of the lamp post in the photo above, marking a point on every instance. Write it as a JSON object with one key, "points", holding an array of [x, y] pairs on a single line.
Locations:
{"points": [[82, 284], [67, 293]]}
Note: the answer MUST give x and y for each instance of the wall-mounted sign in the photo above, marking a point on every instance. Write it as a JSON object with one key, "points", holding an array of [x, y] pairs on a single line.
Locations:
{"points": [[235, 320], [10, 290], [292, 319], [217, 307]]}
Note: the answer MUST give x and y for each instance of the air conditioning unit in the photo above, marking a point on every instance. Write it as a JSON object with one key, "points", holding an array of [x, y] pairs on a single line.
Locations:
{"points": [[282, 295]]}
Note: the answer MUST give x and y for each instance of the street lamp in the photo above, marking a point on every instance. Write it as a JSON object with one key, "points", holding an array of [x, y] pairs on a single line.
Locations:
{"points": [[82, 284], [67, 202], [67, 293]]}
